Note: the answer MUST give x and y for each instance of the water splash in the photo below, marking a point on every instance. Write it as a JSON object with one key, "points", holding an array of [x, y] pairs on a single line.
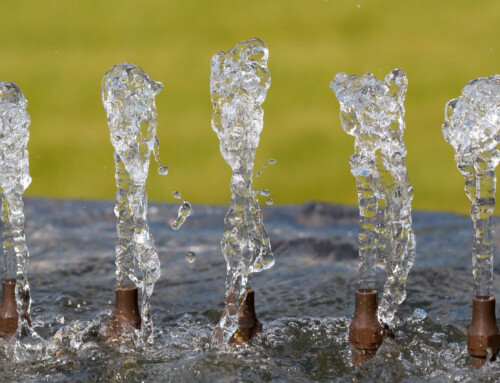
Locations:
{"points": [[471, 126], [14, 180], [184, 211], [128, 95], [372, 111], [239, 82]]}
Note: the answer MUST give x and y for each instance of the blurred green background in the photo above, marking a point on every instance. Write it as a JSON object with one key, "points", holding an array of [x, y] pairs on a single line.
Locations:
{"points": [[58, 51]]}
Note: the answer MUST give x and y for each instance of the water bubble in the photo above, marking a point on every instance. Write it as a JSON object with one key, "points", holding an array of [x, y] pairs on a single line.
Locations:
{"points": [[163, 170], [269, 201], [190, 257], [419, 314], [271, 161]]}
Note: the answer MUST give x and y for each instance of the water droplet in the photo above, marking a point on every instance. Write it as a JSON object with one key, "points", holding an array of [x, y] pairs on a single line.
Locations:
{"points": [[60, 319], [269, 201], [271, 161], [190, 257], [419, 314], [261, 170], [176, 194], [358, 5], [184, 213], [264, 193], [163, 170]]}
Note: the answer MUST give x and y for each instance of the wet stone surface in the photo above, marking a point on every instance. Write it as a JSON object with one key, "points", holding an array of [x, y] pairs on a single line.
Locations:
{"points": [[305, 301]]}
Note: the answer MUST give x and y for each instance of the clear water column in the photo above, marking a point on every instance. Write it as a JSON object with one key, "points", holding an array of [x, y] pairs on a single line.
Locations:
{"points": [[373, 112], [238, 84], [472, 127], [128, 95], [14, 179]]}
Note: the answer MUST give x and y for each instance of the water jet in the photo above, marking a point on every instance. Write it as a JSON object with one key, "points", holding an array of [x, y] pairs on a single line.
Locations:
{"points": [[373, 112], [472, 127], [239, 82]]}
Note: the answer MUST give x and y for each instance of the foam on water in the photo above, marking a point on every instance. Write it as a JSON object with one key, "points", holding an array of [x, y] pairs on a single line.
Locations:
{"points": [[373, 112], [239, 83]]}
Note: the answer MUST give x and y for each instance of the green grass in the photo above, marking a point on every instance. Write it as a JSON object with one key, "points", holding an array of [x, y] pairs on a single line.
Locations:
{"points": [[58, 51]]}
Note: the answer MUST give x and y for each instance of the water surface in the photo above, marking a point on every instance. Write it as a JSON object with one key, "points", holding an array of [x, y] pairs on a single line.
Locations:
{"points": [[304, 302]]}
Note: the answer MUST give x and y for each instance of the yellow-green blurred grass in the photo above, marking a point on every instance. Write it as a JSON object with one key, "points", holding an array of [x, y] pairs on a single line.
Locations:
{"points": [[58, 51]]}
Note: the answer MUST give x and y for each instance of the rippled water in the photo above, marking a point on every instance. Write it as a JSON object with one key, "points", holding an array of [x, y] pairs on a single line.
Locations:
{"points": [[304, 302]]}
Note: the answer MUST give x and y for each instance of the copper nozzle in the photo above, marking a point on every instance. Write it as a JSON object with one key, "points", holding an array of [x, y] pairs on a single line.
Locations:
{"points": [[483, 331], [248, 324], [8, 311], [365, 331], [126, 313]]}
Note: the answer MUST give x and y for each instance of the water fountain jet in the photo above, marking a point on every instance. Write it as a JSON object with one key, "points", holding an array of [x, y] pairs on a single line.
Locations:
{"points": [[472, 127], [373, 112], [238, 84], [14, 179], [128, 96]]}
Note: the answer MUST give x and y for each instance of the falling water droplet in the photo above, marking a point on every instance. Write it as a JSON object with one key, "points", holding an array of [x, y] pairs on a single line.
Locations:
{"points": [[264, 193], [269, 201], [163, 170], [271, 161], [184, 213], [176, 194], [261, 170], [190, 257], [358, 5]]}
